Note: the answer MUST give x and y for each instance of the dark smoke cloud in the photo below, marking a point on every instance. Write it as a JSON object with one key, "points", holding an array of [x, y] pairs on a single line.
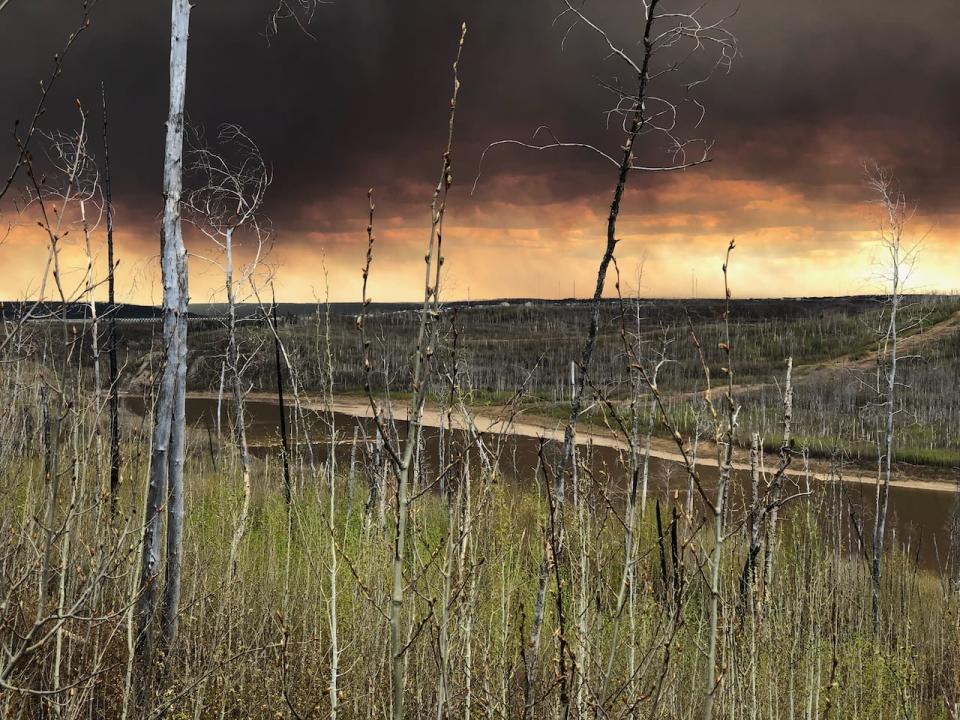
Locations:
{"points": [[820, 86]]}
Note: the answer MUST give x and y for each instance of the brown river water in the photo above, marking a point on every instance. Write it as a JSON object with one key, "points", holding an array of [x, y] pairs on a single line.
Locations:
{"points": [[919, 518]]}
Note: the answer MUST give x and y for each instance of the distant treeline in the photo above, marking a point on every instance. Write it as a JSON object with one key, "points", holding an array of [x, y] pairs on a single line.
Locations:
{"points": [[74, 311], [752, 309], [697, 308]]}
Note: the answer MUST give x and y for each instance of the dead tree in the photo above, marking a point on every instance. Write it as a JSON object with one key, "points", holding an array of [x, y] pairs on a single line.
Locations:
{"points": [[284, 440], [646, 106], [776, 485], [639, 469], [766, 501], [725, 423], [899, 259], [401, 455], [227, 202], [724, 420], [114, 373], [23, 137], [54, 579], [74, 187], [165, 489]]}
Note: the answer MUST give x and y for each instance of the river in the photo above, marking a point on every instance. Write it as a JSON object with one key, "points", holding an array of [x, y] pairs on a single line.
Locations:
{"points": [[920, 513]]}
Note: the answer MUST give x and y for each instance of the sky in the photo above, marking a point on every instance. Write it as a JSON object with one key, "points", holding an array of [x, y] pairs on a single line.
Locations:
{"points": [[361, 100]]}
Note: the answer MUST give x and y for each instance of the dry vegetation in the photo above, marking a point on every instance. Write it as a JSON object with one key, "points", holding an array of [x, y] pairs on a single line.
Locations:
{"points": [[257, 642]]}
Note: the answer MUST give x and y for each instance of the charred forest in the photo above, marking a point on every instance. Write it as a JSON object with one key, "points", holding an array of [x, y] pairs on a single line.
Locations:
{"points": [[224, 496]]}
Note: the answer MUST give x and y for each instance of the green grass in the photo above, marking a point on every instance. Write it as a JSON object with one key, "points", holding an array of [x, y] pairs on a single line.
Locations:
{"points": [[239, 631]]}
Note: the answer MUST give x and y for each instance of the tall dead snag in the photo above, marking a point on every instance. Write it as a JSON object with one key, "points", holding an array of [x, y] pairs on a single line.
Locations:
{"points": [[284, 440], [114, 398], [401, 455], [672, 35], [330, 469], [165, 487], [892, 225], [726, 427]]}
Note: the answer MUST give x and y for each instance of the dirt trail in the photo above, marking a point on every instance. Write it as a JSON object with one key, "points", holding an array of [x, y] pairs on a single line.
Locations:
{"points": [[859, 361], [494, 420]]}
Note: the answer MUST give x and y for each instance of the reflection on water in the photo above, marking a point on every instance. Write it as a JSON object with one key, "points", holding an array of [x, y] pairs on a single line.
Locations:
{"points": [[919, 519]]}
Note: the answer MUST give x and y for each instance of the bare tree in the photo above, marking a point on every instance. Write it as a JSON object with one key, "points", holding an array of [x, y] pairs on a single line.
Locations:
{"points": [[227, 202], [167, 451], [401, 455], [114, 371], [766, 499], [725, 423], [327, 390], [50, 552], [671, 36], [23, 139], [23, 136], [165, 488], [896, 215], [278, 367]]}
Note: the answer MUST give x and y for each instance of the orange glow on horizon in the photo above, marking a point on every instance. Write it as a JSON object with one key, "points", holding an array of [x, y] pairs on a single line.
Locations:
{"points": [[676, 231]]}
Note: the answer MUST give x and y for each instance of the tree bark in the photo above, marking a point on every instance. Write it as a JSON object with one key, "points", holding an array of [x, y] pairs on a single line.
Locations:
{"points": [[883, 489], [236, 382], [166, 461], [114, 372], [284, 441]]}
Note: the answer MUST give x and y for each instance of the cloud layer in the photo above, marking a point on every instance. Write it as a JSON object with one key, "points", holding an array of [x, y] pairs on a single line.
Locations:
{"points": [[819, 88]]}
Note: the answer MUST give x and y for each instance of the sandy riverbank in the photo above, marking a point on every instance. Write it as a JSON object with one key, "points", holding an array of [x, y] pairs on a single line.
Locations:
{"points": [[493, 419]]}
